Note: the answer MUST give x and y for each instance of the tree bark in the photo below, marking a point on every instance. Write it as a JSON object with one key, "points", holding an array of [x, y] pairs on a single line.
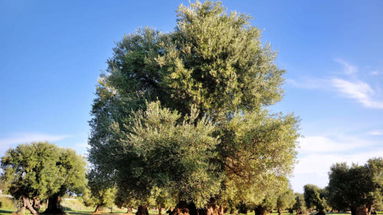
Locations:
{"points": [[279, 211], [260, 211], [27, 205], [99, 209], [159, 210], [363, 210], [321, 212], [214, 209], [142, 210], [54, 206], [36, 204], [231, 211], [353, 211], [129, 211], [184, 208]]}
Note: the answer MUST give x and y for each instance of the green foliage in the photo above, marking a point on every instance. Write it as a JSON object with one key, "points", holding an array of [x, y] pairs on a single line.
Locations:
{"points": [[211, 138], [172, 154], [257, 151], [161, 198], [216, 61], [315, 197], [279, 196], [100, 193], [299, 205], [286, 200], [352, 187], [42, 170]]}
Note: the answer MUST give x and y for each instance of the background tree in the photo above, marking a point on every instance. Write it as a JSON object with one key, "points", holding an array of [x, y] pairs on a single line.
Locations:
{"points": [[100, 193], [356, 188], [299, 205], [315, 198], [43, 171], [210, 75], [286, 200], [273, 198]]}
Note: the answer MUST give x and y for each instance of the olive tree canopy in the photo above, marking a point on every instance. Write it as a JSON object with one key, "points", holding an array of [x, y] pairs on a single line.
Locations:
{"points": [[185, 112], [43, 171]]}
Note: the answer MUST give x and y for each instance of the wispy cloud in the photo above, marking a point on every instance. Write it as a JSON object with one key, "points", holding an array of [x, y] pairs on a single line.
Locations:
{"points": [[376, 73], [357, 90], [349, 87], [376, 132], [19, 138], [348, 68]]}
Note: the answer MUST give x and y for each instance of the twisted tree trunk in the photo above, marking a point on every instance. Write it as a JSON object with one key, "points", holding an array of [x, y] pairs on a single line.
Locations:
{"points": [[26, 205]]}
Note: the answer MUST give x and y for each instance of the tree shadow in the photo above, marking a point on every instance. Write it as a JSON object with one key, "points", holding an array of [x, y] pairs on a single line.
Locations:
{"points": [[78, 212], [2, 211]]}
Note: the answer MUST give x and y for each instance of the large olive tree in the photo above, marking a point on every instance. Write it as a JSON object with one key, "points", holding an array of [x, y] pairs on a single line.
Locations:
{"points": [[186, 112]]}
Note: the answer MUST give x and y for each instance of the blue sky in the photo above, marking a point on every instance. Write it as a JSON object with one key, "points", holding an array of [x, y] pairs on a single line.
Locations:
{"points": [[52, 52]]}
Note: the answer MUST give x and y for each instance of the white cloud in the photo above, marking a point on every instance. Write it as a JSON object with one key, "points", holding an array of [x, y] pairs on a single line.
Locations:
{"points": [[358, 90], [318, 153], [376, 132], [328, 145], [376, 73], [19, 138], [349, 87]]}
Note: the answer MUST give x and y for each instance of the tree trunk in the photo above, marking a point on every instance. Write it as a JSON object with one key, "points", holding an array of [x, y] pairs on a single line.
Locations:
{"points": [[214, 209], [36, 204], [279, 211], [363, 210], [142, 210], [159, 210], [27, 205], [99, 209], [231, 211], [54, 206], [321, 212], [21, 210], [260, 211], [129, 211], [242, 208], [184, 208]]}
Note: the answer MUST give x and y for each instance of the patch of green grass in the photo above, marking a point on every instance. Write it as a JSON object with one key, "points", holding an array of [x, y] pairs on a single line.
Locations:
{"points": [[7, 203]]}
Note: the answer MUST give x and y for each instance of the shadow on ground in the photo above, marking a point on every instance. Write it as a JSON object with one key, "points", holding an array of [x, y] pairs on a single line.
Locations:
{"points": [[2, 211]]}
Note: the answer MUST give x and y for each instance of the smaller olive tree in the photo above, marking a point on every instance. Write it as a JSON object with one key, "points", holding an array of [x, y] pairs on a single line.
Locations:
{"points": [[100, 192], [315, 198], [42, 171], [299, 206], [356, 188], [285, 200]]}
